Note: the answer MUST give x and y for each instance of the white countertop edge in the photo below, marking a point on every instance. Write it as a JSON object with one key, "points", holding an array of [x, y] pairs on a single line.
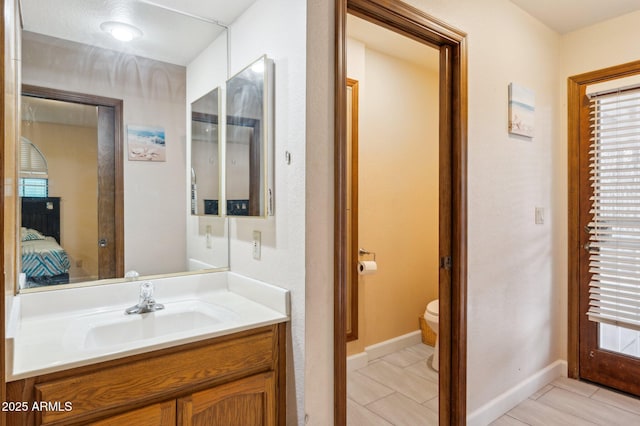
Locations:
{"points": [[142, 349], [269, 295]]}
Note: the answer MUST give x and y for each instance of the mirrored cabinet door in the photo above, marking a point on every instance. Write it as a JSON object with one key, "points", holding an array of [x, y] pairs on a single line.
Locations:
{"points": [[249, 141]]}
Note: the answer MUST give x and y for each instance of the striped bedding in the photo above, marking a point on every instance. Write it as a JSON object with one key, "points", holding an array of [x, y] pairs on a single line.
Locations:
{"points": [[42, 258]]}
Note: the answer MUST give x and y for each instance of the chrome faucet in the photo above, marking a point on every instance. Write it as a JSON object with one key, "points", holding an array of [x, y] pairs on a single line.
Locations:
{"points": [[146, 303]]}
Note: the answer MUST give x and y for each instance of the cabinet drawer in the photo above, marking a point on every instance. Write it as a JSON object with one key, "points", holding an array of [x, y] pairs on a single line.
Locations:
{"points": [[156, 377]]}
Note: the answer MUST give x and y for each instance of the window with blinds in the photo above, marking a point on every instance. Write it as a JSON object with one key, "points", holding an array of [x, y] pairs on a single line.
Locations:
{"points": [[34, 171], [32, 161], [614, 247]]}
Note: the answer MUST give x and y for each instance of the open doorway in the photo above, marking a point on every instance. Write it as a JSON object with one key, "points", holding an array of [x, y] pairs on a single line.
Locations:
{"points": [[450, 43], [392, 102]]}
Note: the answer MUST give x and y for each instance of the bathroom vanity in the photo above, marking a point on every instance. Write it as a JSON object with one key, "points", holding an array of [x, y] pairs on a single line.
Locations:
{"points": [[214, 356], [236, 379]]}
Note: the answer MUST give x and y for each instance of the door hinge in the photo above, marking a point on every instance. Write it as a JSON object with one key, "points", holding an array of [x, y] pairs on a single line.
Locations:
{"points": [[446, 263]]}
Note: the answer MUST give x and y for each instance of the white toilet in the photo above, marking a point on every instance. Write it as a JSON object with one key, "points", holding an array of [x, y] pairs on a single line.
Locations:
{"points": [[431, 315]]}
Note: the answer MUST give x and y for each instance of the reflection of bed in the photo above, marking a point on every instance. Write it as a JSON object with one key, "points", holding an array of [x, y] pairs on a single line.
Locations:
{"points": [[44, 261]]}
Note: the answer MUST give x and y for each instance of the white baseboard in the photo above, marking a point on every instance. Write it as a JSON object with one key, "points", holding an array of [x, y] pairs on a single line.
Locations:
{"points": [[514, 396], [357, 361], [381, 349]]}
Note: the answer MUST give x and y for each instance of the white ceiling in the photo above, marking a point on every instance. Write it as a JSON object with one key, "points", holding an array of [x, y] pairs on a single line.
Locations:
{"points": [[565, 16], [393, 44], [168, 36]]}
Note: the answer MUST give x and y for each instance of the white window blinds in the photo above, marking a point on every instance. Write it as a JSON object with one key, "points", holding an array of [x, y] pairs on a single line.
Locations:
{"points": [[614, 246], [32, 161]]}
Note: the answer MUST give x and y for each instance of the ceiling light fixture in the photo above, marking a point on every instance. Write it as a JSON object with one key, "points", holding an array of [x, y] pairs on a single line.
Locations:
{"points": [[121, 31]]}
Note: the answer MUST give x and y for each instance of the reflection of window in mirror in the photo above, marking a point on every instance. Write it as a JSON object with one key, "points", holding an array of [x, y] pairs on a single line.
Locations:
{"points": [[352, 207]]}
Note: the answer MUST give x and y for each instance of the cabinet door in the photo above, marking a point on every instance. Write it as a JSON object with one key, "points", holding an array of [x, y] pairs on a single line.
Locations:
{"points": [[163, 414], [245, 402]]}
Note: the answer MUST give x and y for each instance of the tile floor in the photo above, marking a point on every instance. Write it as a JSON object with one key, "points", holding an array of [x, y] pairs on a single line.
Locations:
{"points": [[573, 403], [401, 390], [398, 389]]}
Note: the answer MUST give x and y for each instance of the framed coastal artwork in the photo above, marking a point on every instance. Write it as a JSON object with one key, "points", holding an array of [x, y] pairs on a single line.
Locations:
{"points": [[146, 143], [521, 110]]}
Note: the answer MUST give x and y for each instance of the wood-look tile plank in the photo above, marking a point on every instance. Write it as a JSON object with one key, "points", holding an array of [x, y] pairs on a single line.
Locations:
{"points": [[402, 411], [575, 386], [358, 415], [432, 404], [424, 370], [398, 379], [508, 421], [425, 351], [403, 358], [363, 390], [588, 408], [535, 413], [619, 400], [541, 392]]}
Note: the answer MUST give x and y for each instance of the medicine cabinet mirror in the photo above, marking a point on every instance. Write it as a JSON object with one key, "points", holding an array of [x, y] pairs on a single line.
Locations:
{"points": [[205, 155], [249, 141]]}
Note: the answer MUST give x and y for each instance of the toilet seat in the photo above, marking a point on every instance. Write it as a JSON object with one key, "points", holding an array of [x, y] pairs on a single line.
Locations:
{"points": [[433, 307]]}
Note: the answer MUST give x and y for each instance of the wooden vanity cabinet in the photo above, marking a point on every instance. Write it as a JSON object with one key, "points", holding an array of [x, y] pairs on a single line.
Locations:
{"points": [[246, 402], [237, 379]]}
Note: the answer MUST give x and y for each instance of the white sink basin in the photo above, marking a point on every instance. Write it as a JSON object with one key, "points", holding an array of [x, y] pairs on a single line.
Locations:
{"points": [[115, 328]]}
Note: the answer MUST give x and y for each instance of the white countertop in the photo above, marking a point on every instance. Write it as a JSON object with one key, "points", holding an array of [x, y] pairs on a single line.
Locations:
{"points": [[55, 330]]}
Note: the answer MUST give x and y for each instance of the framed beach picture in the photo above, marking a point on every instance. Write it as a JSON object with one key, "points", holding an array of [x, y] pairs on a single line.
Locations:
{"points": [[146, 143], [521, 110]]}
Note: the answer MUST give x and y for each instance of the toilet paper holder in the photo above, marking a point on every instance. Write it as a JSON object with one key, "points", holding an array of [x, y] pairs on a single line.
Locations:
{"points": [[363, 252]]}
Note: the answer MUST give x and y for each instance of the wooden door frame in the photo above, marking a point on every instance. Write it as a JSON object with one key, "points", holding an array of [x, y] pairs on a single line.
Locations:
{"points": [[409, 21], [3, 289], [116, 260], [576, 87], [352, 307]]}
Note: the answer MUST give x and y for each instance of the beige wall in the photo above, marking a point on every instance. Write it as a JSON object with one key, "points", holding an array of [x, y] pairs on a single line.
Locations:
{"points": [[72, 158], [398, 191]]}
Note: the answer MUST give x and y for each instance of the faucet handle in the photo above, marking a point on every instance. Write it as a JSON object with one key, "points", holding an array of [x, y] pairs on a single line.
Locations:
{"points": [[146, 291]]}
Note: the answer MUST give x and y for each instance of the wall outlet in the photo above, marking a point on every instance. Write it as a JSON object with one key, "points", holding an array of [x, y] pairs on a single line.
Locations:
{"points": [[257, 244]]}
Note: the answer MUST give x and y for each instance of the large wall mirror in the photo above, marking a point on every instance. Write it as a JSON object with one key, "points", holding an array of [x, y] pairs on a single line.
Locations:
{"points": [[69, 55], [249, 141]]}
